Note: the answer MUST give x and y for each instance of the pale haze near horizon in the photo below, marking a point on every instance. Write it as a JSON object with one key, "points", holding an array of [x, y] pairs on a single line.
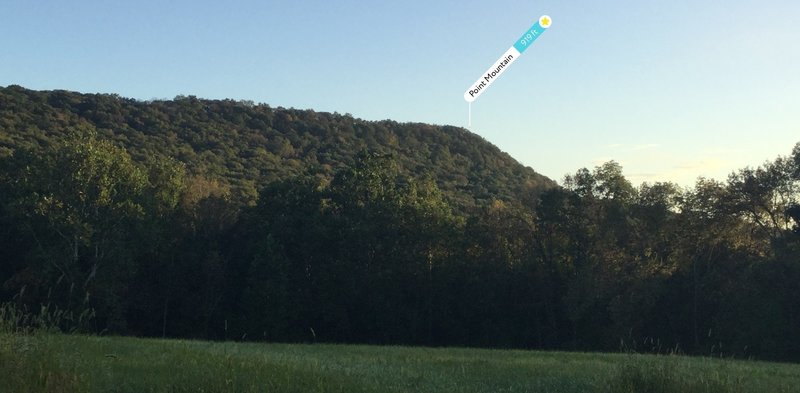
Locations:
{"points": [[672, 90]]}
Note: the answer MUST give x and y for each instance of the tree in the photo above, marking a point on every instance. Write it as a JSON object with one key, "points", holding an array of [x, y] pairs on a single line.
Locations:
{"points": [[80, 201], [765, 194], [287, 235]]}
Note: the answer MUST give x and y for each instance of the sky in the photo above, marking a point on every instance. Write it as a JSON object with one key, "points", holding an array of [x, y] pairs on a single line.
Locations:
{"points": [[671, 90]]}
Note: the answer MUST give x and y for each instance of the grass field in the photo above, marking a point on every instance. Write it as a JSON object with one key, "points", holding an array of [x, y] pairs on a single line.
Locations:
{"points": [[71, 363]]}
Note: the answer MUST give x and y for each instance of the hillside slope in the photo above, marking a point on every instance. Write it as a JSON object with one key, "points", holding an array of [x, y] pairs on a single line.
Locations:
{"points": [[248, 145]]}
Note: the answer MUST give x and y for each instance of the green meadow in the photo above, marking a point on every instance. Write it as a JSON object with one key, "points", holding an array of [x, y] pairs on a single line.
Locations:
{"points": [[43, 362]]}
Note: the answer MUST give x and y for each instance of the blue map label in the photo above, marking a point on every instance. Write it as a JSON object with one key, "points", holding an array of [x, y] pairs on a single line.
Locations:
{"points": [[507, 58]]}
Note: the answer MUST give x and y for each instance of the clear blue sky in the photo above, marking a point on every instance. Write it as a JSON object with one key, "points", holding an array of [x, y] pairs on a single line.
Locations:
{"points": [[672, 90]]}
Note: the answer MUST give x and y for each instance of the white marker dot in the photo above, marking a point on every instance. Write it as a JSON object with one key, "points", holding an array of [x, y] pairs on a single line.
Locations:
{"points": [[545, 21]]}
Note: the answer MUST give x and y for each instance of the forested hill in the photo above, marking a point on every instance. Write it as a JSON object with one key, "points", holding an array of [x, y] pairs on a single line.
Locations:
{"points": [[247, 145], [106, 229]]}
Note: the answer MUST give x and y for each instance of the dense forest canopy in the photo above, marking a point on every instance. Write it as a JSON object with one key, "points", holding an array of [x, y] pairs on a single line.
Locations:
{"points": [[246, 146], [227, 220]]}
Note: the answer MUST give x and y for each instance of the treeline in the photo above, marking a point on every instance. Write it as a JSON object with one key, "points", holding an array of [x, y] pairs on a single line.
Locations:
{"points": [[371, 254]]}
